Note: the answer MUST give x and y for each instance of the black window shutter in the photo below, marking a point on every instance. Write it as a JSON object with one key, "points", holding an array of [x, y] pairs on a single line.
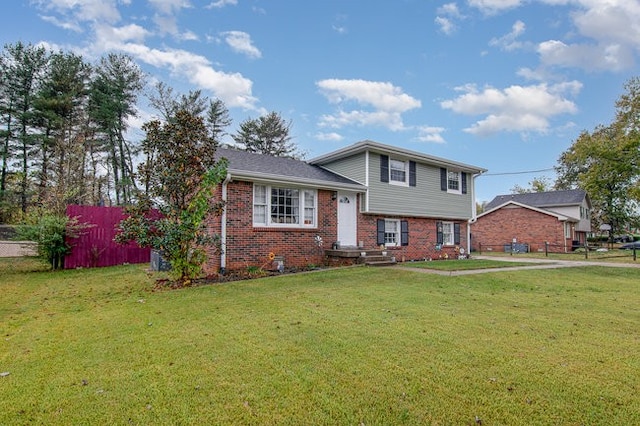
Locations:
{"points": [[412, 173], [456, 233], [443, 179], [404, 232], [380, 237], [439, 234], [463, 177], [384, 168]]}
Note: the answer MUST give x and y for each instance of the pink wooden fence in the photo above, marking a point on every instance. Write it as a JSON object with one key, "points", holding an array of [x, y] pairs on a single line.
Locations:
{"points": [[96, 247]]}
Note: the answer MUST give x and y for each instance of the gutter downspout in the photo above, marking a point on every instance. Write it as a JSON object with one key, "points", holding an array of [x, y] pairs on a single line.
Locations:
{"points": [[223, 226], [474, 211]]}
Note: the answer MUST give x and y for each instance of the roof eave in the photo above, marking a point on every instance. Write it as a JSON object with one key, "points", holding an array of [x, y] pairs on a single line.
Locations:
{"points": [[368, 145], [298, 181]]}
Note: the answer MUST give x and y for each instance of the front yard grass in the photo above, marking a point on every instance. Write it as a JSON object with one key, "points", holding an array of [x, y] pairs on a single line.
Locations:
{"points": [[373, 346], [463, 265]]}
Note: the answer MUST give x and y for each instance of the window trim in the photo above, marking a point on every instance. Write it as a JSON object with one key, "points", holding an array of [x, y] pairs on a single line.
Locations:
{"points": [[451, 233], [402, 232], [397, 233], [458, 180], [409, 171], [444, 181], [405, 164], [302, 208], [455, 229]]}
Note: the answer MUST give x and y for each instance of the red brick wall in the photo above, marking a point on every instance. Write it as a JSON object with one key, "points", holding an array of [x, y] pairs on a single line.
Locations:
{"points": [[250, 247], [528, 227], [422, 237]]}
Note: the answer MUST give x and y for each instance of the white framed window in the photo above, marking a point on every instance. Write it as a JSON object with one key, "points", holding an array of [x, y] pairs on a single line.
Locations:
{"points": [[448, 234], [453, 182], [282, 206], [391, 232], [398, 171]]}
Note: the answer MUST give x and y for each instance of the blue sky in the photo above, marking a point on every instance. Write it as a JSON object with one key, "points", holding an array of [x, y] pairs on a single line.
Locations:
{"points": [[506, 85]]}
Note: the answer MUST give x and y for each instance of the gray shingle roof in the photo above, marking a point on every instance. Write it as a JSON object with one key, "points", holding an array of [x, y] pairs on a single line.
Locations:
{"points": [[267, 167], [541, 199]]}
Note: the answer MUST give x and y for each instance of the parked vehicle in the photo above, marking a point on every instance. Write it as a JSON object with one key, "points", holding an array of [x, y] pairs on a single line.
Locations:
{"points": [[630, 246], [626, 238]]}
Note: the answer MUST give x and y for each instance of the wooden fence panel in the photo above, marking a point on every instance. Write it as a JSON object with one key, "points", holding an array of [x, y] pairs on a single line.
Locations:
{"points": [[96, 248]]}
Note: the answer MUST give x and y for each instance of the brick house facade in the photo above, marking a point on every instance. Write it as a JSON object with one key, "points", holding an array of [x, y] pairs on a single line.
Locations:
{"points": [[423, 240], [290, 211], [559, 220], [247, 245], [522, 224]]}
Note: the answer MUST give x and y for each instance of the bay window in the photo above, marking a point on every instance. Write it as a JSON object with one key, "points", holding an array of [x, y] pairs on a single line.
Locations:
{"points": [[283, 206]]}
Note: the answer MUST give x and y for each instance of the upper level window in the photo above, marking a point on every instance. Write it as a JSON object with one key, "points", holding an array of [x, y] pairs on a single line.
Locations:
{"points": [[453, 181], [397, 171], [278, 206]]}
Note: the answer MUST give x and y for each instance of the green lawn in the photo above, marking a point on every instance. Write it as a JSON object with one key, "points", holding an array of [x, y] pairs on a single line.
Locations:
{"points": [[463, 265], [372, 346]]}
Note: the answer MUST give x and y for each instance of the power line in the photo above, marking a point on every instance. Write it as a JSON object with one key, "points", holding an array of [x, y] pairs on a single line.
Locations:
{"points": [[517, 173]]}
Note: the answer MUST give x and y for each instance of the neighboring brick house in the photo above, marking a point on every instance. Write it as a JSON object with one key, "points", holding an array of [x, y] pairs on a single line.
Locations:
{"points": [[361, 197], [560, 218]]}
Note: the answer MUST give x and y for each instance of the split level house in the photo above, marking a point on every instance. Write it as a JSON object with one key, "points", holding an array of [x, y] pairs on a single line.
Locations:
{"points": [[559, 220], [363, 197]]}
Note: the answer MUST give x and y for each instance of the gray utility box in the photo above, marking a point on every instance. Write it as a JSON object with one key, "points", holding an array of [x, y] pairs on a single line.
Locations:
{"points": [[158, 262]]}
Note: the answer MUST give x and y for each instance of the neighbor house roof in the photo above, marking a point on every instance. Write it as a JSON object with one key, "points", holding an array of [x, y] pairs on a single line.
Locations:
{"points": [[267, 168], [547, 199], [368, 145]]}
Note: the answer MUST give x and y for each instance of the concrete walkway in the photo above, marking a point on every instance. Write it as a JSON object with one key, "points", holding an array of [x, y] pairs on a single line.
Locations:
{"points": [[535, 264]]}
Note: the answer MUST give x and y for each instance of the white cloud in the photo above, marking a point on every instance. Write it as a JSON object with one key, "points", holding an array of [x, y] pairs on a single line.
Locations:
{"points": [[166, 19], [83, 10], [99, 15], [612, 21], [117, 35], [381, 95], [390, 120], [613, 57], [64, 24], [169, 7], [331, 137], [221, 3], [610, 31], [387, 101], [188, 36], [490, 7], [241, 42], [449, 9], [232, 88], [447, 15], [445, 24], [338, 25], [516, 108], [510, 41], [430, 134]]}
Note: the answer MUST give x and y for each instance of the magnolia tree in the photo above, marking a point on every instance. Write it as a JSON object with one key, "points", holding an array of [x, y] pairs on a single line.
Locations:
{"points": [[182, 176]]}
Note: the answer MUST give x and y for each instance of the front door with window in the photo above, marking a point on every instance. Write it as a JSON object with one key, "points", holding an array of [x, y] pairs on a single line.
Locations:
{"points": [[347, 219]]}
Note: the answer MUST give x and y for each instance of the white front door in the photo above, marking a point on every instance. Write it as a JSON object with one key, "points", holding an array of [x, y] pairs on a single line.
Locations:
{"points": [[347, 219]]}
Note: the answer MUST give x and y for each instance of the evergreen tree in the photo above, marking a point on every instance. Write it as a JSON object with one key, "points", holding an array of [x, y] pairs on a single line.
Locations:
{"points": [[268, 134], [113, 96]]}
